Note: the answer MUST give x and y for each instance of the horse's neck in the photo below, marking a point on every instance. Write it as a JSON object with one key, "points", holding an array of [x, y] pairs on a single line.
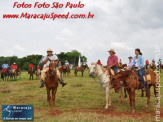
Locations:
{"points": [[99, 71]]}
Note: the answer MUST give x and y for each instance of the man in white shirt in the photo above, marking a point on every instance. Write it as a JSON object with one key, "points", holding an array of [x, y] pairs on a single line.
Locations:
{"points": [[45, 61], [130, 63]]}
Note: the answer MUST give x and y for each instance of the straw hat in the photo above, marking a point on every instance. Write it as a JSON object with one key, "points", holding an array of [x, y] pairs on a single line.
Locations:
{"points": [[49, 50], [66, 61], [112, 50]]}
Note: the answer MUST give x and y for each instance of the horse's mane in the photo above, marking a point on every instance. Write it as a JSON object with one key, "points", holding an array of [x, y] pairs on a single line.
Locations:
{"points": [[93, 63], [103, 69]]}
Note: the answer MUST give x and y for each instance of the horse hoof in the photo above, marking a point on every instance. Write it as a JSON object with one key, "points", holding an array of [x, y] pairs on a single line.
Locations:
{"points": [[133, 111], [146, 105]]}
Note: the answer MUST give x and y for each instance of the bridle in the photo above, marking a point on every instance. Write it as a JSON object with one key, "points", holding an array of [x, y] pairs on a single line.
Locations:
{"points": [[94, 71], [53, 70]]}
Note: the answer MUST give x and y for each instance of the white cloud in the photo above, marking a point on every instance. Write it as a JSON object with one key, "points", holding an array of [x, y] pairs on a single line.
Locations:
{"points": [[18, 47], [120, 24]]}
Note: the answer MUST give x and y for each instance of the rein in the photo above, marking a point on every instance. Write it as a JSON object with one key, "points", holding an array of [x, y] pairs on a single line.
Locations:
{"points": [[100, 76]]}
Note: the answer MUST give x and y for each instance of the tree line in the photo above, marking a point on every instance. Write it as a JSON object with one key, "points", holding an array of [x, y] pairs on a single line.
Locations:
{"points": [[24, 62]]}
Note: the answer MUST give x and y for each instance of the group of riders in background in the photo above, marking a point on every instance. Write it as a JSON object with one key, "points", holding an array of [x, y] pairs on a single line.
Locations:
{"points": [[13, 71]]}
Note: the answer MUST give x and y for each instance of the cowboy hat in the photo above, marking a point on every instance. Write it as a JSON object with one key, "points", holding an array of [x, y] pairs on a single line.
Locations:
{"points": [[49, 50], [14, 63], [112, 50]]}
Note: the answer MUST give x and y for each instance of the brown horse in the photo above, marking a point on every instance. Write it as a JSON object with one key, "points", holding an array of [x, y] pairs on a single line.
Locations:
{"points": [[13, 74], [122, 66], [130, 81], [66, 70], [153, 66], [38, 74], [31, 72], [51, 82], [80, 69]]}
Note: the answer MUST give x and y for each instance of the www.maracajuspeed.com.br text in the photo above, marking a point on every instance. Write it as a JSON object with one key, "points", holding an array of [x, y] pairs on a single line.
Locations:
{"points": [[45, 16]]}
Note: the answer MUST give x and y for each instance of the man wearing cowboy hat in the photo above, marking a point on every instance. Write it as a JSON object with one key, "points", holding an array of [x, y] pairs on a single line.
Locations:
{"points": [[66, 63], [113, 61], [45, 61], [14, 67]]}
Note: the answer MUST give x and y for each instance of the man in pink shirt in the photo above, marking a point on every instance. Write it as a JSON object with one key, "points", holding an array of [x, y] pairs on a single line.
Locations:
{"points": [[113, 61]]}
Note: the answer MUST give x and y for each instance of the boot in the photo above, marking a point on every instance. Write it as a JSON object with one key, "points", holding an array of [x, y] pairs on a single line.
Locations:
{"points": [[42, 83], [62, 82]]}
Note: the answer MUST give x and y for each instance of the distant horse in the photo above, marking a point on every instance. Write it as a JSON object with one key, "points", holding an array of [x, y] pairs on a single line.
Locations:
{"points": [[122, 66], [31, 72], [51, 82], [38, 74], [160, 67], [5, 76], [13, 73], [153, 66], [60, 68], [18, 71], [80, 69], [66, 69]]}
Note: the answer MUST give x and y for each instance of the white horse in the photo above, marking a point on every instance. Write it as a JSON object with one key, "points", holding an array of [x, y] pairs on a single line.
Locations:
{"points": [[104, 78]]}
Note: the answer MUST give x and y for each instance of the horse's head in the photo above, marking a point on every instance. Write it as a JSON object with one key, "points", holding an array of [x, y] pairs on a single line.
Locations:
{"points": [[93, 69], [52, 66], [118, 78]]}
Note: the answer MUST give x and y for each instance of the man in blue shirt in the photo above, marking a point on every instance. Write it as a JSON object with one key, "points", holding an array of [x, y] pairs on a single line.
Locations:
{"points": [[4, 67]]}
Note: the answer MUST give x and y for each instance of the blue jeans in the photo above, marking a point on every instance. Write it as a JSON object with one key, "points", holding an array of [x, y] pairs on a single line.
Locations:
{"points": [[140, 73], [115, 69]]}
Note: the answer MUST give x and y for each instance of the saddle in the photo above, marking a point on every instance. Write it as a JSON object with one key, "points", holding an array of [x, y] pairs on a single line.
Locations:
{"points": [[146, 77]]}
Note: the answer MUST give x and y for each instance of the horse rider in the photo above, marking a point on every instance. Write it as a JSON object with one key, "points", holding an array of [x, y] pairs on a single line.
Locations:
{"points": [[120, 63], [130, 63], [4, 67], [146, 63], [159, 63], [14, 67], [31, 65], [66, 63], [112, 61], [99, 62], [46, 63], [138, 63], [38, 68], [59, 64]]}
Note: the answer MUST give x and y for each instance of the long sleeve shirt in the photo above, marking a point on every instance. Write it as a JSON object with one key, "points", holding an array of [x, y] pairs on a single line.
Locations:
{"points": [[139, 62], [112, 60]]}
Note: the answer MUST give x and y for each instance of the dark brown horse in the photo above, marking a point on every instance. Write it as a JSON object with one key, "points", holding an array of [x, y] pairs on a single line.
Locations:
{"points": [[122, 66], [80, 69], [31, 71], [66, 70], [51, 82], [153, 66], [131, 83]]}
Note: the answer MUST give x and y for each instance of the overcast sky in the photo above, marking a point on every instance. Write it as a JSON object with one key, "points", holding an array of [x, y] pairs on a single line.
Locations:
{"points": [[120, 24]]}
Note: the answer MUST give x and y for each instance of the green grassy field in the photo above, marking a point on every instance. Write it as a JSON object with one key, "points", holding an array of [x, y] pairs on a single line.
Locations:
{"points": [[82, 99]]}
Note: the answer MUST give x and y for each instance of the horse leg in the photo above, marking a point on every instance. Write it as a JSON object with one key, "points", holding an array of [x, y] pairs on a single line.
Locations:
{"points": [[133, 100], [48, 97], [125, 93], [121, 94], [108, 101], [129, 94], [53, 97], [148, 95]]}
